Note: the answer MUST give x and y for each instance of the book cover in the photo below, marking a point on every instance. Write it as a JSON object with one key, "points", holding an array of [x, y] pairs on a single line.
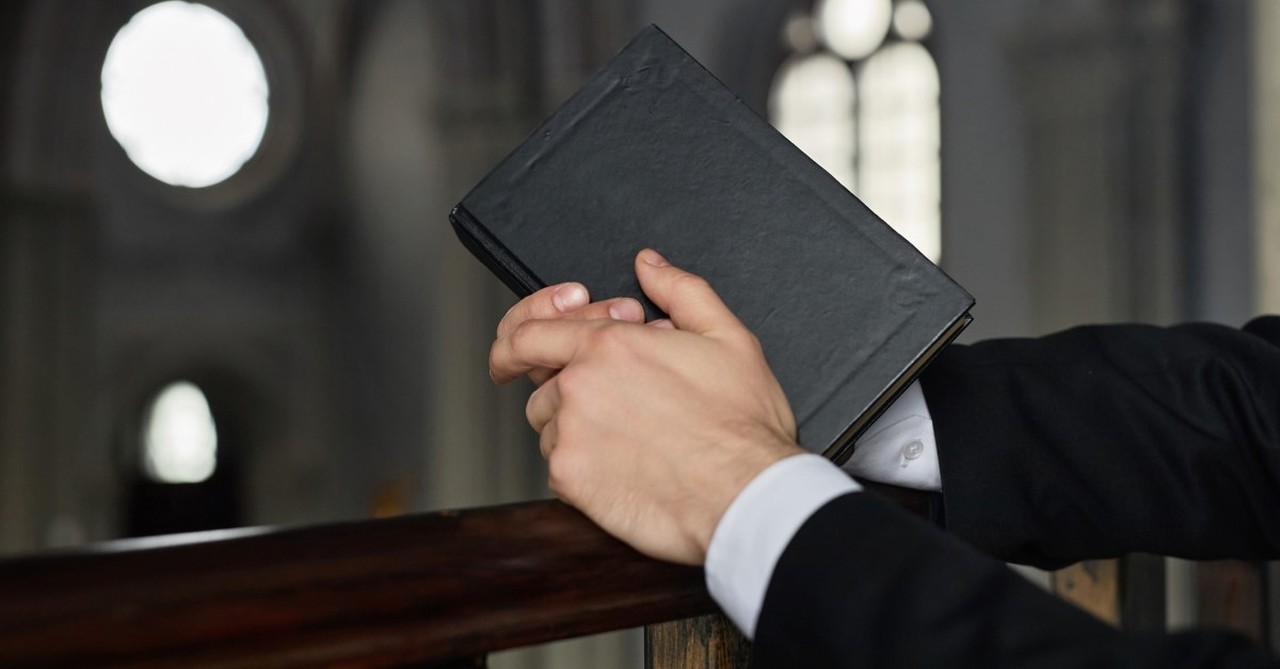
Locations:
{"points": [[653, 151]]}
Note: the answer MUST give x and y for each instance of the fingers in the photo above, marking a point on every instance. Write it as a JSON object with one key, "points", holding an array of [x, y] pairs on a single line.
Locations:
{"points": [[542, 406], [563, 301], [538, 344], [541, 376], [547, 440], [550, 302], [568, 300], [687, 298]]}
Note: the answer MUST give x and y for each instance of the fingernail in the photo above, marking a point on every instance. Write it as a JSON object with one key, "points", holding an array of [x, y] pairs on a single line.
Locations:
{"points": [[653, 258], [569, 297], [626, 310], [664, 323]]}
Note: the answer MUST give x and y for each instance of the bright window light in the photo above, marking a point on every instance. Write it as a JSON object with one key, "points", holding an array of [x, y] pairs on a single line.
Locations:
{"points": [[911, 20], [185, 94], [180, 441], [854, 28], [812, 104], [899, 137]]}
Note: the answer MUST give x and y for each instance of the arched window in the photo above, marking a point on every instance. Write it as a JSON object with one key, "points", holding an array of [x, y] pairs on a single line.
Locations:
{"points": [[812, 102], [179, 436], [859, 95], [183, 476]]}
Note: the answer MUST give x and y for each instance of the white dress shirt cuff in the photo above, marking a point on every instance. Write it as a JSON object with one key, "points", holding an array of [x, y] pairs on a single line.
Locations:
{"points": [[759, 524], [899, 448]]}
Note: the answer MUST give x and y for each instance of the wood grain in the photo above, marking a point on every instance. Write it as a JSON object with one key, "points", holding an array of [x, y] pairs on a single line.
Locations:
{"points": [[426, 588], [706, 642], [435, 589]]}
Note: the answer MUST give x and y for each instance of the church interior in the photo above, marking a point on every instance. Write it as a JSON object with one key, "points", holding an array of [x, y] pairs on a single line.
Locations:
{"points": [[250, 254]]}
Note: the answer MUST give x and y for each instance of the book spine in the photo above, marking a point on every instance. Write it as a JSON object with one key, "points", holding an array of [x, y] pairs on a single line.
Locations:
{"points": [[493, 253]]}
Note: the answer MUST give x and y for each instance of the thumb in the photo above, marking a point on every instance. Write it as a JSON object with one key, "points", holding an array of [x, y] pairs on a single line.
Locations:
{"points": [[687, 298]]}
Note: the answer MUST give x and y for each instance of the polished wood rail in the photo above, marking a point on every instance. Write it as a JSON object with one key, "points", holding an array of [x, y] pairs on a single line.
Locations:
{"points": [[423, 589], [438, 589]]}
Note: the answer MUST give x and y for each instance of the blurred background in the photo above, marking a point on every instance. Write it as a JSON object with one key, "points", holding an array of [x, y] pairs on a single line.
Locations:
{"points": [[230, 295]]}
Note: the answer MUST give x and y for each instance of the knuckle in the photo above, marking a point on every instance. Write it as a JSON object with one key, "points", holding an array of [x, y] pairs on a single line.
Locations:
{"points": [[572, 382], [607, 338], [508, 321], [520, 337], [751, 342], [530, 413], [555, 470], [690, 283], [541, 376], [561, 473], [521, 312]]}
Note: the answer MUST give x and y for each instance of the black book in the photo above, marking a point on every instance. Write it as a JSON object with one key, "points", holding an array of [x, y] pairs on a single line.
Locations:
{"points": [[653, 151]]}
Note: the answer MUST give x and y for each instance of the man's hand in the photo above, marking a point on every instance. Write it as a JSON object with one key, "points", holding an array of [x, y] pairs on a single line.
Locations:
{"points": [[569, 301], [650, 430]]}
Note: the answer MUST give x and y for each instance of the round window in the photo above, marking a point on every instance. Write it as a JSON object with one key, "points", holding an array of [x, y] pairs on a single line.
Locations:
{"points": [[185, 94]]}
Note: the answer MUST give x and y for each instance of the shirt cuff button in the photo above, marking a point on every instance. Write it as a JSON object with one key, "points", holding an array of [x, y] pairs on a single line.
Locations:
{"points": [[911, 451]]}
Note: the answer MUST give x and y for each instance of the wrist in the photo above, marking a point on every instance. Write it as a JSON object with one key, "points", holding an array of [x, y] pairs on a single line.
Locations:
{"points": [[759, 525], [748, 459]]}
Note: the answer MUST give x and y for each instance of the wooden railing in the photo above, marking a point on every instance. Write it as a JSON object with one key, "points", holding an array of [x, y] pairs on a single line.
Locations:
{"points": [[434, 590], [439, 589]]}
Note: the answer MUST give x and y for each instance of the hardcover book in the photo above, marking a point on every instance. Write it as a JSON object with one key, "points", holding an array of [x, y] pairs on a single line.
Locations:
{"points": [[654, 151]]}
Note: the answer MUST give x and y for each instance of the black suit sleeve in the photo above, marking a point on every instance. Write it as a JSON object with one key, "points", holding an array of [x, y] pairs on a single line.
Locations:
{"points": [[864, 584], [1089, 443], [1104, 440]]}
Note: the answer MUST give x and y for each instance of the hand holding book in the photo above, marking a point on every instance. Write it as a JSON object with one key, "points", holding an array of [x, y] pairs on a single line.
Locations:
{"points": [[650, 430], [653, 152]]}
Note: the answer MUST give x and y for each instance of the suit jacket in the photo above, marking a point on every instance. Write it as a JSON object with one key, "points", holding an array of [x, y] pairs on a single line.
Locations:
{"points": [[1089, 443]]}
